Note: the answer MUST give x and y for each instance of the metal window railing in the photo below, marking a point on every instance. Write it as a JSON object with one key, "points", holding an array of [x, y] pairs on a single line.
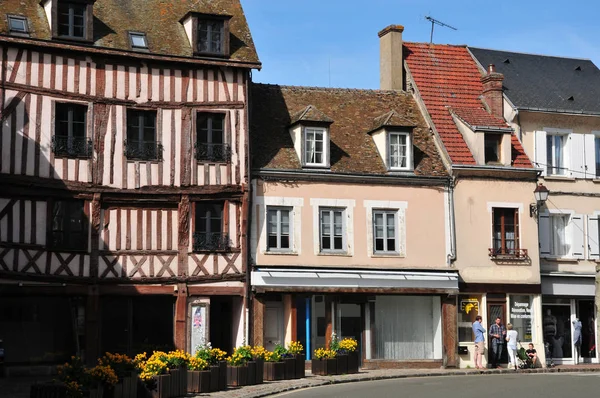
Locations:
{"points": [[77, 147], [210, 241], [143, 150], [213, 152], [508, 253]]}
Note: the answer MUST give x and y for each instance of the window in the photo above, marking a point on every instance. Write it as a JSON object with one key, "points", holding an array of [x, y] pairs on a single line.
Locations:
{"points": [[72, 19], [558, 235], [314, 146], [597, 150], [555, 154], [278, 229], [332, 230], [69, 138], [399, 149], [505, 232], [138, 40], [141, 136], [69, 225], [211, 36], [521, 311], [468, 308], [384, 231], [208, 233], [492, 144], [210, 138], [17, 24]]}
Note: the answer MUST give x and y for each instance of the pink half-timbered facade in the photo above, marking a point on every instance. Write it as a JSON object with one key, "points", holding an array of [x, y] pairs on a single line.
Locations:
{"points": [[123, 175]]}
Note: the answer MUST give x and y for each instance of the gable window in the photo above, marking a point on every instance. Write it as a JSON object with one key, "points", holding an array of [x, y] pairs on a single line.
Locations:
{"points": [[278, 228], [492, 145], [314, 146], [597, 151], [399, 151], [141, 136], [138, 40], [555, 154], [70, 138], [384, 231], [69, 225], [72, 19], [558, 235], [211, 33], [17, 24], [208, 222], [210, 138], [505, 232], [332, 229]]}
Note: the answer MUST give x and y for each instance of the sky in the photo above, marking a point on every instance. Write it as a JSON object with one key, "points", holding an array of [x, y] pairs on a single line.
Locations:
{"points": [[334, 43]]}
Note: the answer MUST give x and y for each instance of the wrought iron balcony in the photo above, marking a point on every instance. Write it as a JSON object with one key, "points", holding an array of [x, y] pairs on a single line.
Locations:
{"points": [[513, 254], [204, 241], [72, 147], [143, 150], [213, 152]]}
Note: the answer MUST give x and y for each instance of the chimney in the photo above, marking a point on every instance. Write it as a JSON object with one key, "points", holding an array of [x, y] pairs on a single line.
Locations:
{"points": [[492, 91], [391, 67]]}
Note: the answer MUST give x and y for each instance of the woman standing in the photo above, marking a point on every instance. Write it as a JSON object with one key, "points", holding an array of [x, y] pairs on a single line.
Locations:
{"points": [[511, 338]]}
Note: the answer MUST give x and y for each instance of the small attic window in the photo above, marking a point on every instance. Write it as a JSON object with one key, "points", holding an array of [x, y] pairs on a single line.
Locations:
{"points": [[208, 34], [578, 69], [138, 40], [506, 61], [17, 24], [571, 98], [72, 19]]}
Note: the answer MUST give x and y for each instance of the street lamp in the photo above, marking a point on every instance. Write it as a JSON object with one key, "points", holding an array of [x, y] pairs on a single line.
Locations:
{"points": [[541, 195]]}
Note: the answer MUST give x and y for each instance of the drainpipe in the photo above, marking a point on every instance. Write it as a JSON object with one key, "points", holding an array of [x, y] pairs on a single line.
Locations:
{"points": [[248, 332], [452, 256]]}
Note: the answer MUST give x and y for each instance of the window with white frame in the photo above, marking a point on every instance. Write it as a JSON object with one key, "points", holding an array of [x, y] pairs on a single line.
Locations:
{"points": [[385, 236], [315, 146], [332, 229], [597, 152], [399, 151], [555, 154], [279, 221], [558, 235]]}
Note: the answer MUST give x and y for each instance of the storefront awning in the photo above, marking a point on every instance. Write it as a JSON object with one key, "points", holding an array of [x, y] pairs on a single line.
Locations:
{"points": [[568, 285], [365, 281]]}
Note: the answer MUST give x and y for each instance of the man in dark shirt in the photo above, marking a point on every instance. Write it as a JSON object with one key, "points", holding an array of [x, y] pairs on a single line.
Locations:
{"points": [[532, 354], [498, 334]]}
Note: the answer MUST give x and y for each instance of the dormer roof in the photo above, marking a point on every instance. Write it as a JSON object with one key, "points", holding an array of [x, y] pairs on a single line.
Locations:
{"points": [[310, 114], [391, 119], [478, 118]]}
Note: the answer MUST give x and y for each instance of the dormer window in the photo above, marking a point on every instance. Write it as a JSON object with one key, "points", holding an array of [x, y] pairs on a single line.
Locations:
{"points": [[17, 24], [70, 19], [315, 146], [208, 34], [399, 149], [493, 148], [138, 41]]}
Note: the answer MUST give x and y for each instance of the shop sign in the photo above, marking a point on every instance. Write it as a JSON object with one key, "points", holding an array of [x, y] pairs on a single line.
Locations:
{"points": [[520, 310], [469, 304]]}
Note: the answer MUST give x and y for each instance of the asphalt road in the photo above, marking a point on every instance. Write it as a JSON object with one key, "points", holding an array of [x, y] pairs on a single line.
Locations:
{"points": [[553, 385]]}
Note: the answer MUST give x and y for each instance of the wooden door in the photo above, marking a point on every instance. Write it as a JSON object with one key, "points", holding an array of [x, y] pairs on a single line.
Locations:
{"points": [[495, 310], [273, 333]]}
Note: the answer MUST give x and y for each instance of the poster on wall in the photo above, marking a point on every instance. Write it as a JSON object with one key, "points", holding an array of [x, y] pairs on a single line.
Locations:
{"points": [[520, 315], [199, 327]]}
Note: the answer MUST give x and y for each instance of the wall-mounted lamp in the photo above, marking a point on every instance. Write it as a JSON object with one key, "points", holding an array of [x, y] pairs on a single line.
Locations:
{"points": [[541, 195]]}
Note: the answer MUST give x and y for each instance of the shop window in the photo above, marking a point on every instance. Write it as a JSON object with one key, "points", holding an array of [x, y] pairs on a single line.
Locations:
{"points": [[469, 306], [521, 315], [557, 329]]}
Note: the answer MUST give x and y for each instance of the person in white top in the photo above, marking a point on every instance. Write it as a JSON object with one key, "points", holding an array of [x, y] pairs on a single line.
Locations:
{"points": [[511, 338]]}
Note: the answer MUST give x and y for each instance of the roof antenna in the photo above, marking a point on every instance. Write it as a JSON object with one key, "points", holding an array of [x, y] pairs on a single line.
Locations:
{"points": [[436, 22]]}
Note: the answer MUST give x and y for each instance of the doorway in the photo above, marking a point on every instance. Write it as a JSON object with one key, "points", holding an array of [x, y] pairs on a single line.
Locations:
{"points": [[496, 309], [273, 333], [221, 321], [349, 323], [586, 314]]}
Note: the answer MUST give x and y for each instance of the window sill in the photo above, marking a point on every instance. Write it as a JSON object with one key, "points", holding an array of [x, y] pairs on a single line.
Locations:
{"points": [[559, 178], [230, 250], [153, 161], [596, 180], [219, 162], [281, 253], [387, 255], [561, 259], [345, 254], [63, 156]]}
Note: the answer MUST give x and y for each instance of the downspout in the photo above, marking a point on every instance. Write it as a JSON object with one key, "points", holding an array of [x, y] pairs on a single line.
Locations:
{"points": [[248, 335], [452, 256]]}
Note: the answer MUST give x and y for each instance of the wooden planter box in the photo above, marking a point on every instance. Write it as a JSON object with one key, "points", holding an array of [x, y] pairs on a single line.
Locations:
{"points": [[237, 376], [342, 364], [274, 371], [290, 368], [353, 362], [251, 380], [48, 390], [223, 375], [178, 382], [163, 387], [198, 381], [126, 388], [97, 392], [300, 366], [324, 367], [215, 377], [260, 369]]}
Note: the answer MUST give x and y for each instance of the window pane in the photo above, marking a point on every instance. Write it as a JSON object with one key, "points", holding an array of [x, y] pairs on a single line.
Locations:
{"points": [[272, 222], [391, 245], [337, 223], [398, 150], [285, 242], [17, 24], [379, 244], [326, 222], [325, 243], [597, 142], [272, 241], [138, 40], [338, 243]]}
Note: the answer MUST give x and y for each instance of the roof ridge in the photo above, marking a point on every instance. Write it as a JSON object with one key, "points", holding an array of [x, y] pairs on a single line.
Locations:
{"points": [[526, 53], [437, 44], [342, 89]]}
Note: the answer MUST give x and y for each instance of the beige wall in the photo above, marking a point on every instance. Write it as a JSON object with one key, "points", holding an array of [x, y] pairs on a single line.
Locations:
{"points": [[424, 226], [473, 202]]}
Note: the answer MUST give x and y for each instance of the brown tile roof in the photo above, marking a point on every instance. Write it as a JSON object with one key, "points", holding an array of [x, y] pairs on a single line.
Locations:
{"points": [[448, 78], [159, 19], [391, 119], [353, 113]]}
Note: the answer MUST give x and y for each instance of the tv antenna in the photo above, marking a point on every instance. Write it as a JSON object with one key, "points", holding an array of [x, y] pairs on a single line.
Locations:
{"points": [[436, 22]]}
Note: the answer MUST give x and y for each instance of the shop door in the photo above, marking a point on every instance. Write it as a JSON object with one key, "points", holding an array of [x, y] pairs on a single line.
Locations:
{"points": [[273, 333], [349, 323], [495, 310], [585, 313]]}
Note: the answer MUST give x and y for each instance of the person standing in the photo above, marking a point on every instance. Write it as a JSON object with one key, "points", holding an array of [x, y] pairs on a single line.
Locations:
{"points": [[498, 334], [479, 333], [577, 339], [511, 337]]}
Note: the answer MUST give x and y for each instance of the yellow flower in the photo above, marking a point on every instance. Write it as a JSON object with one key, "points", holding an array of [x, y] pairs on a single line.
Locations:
{"points": [[295, 347], [349, 344]]}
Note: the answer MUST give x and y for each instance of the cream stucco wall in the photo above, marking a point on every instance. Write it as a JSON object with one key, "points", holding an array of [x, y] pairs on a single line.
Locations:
{"points": [[474, 200], [425, 221]]}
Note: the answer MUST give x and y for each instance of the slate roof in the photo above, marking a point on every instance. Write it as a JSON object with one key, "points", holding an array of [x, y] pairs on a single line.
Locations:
{"points": [[448, 79], [159, 19], [353, 113], [545, 82]]}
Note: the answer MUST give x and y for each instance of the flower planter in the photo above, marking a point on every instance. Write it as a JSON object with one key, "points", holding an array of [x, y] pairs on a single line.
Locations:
{"points": [[290, 368], [237, 376], [251, 380], [353, 362], [223, 375], [324, 367], [260, 369], [163, 387], [274, 371], [126, 388], [198, 381], [300, 366], [178, 382], [97, 392], [48, 390], [342, 364], [214, 378]]}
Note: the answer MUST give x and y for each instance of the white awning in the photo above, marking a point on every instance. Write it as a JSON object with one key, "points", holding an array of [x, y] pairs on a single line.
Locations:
{"points": [[319, 279], [568, 285]]}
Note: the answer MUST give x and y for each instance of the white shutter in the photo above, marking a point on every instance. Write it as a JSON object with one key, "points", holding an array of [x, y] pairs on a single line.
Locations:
{"points": [[544, 234], [540, 151], [577, 155], [590, 155], [593, 237], [577, 236]]}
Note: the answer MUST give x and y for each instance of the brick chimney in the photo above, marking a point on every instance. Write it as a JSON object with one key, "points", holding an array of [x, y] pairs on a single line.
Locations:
{"points": [[492, 91], [391, 66]]}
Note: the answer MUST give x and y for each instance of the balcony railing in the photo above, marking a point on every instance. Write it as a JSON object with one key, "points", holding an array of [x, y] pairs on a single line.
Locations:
{"points": [[204, 241], [143, 150], [213, 152], [72, 147], [514, 254]]}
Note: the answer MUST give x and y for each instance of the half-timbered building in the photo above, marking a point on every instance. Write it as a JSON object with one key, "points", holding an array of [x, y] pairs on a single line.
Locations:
{"points": [[123, 176]]}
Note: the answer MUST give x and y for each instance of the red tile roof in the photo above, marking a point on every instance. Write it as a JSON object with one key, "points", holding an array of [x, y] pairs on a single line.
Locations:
{"points": [[448, 78]]}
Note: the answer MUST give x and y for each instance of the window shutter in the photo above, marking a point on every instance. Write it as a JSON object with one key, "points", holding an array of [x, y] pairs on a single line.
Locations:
{"points": [[577, 155], [590, 156], [544, 234], [540, 151], [577, 236], [593, 237]]}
